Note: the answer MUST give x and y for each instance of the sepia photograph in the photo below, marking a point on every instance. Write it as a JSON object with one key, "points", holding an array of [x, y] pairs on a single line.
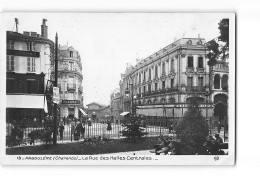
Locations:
{"points": [[118, 88]]}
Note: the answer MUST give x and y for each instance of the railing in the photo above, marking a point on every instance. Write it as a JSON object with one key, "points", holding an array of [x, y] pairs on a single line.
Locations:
{"points": [[161, 91], [195, 88], [40, 133], [71, 86]]}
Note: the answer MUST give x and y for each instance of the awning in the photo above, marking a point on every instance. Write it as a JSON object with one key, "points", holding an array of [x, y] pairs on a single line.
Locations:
{"points": [[25, 101], [83, 112], [124, 113]]}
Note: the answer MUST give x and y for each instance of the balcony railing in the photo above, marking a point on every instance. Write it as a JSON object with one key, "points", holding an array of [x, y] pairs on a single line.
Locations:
{"points": [[161, 91], [195, 88], [71, 86]]}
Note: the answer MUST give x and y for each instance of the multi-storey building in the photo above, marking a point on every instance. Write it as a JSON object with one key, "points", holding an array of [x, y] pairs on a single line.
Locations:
{"points": [[28, 59], [116, 104], [98, 112], [69, 82], [164, 82]]}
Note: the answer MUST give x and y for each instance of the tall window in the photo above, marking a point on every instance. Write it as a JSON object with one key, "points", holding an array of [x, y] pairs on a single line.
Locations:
{"points": [[200, 81], [172, 64], [190, 61], [31, 64], [71, 53], [200, 62], [10, 88], [10, 44], [149, 73], [190, 81], [163, 85], [33, 46], [139, 77], [144, 76], [140, 90], [155, 86], [9, 63], [149, 87], [144, 89], [156, 70], [71, 66], [28, 46], [172, 83], [163, 68]]}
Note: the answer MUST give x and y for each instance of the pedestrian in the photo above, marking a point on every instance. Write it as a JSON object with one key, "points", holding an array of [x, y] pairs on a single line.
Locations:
{"points": [[72, 127], [61, 130], [218, 140], [77, 131], [109, 127], [219, 127], [83, 130]]}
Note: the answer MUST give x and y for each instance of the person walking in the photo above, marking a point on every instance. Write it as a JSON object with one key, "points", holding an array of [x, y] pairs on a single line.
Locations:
{"points": [[72, 127], [83, 130], [61, 130]]}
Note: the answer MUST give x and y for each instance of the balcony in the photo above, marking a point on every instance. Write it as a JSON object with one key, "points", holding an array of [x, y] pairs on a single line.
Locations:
{"points": [[71, 86], [195, 89], [200, 70], [190, 69], [80, 89], [161, 91]]}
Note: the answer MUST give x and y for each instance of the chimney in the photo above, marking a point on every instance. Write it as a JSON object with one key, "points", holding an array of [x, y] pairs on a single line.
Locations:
{"points": [[44, 29]]}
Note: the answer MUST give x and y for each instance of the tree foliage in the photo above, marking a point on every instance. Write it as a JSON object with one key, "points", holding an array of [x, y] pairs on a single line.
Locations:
{"points": [[192, 128], [219, 47]]}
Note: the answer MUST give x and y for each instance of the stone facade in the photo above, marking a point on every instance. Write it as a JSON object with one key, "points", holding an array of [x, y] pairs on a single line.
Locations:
{"points": [[69, 82], [163, 83]]}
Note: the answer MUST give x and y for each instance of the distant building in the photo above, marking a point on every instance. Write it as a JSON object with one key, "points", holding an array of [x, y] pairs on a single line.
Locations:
{"points": [[69, 82], [98, 112], [28, 59], [116, 103], [164, 83]]}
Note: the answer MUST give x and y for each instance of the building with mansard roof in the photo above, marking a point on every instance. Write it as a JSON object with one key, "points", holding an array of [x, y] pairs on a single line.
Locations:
{"points": [[69, 82], [163, 83]]}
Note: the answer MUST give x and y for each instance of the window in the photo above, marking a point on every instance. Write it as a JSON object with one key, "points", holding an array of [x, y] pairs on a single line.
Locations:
{"points": [[163, 85], [190, 61], [140, 90], [31, 64], [31, 86], [9, 63], [71, 66], [10, 88], [139, 77], [144, 76], [28, 46], [200, 62], [200, 81], [156, 70], [149, 87], [10, 44], [190, 81], [33, 46], [172, 64], [144, 89], [172, 83], [71, 53], [163, 68], [155, 86], [149, 73]]}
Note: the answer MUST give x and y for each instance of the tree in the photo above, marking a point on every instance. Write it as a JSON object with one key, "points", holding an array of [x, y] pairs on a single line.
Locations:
{"points": [[219, 47], [133, 129], [192, 129]]}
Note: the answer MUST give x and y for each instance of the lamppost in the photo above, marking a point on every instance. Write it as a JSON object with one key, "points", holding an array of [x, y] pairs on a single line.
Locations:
{"points": [[207, 94]]}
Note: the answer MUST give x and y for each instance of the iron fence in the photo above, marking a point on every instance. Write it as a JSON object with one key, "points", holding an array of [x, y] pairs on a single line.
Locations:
{"points": [[40, 133]]}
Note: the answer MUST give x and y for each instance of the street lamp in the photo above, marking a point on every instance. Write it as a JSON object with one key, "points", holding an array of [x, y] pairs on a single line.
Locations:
{"points": [[207, 94]]}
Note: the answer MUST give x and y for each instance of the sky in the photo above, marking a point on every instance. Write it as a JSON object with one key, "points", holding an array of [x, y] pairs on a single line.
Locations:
{"points": [[108, 41]]}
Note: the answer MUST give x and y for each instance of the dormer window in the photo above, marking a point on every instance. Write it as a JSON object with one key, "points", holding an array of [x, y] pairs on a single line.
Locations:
{"points": [[71, 53], [199, 42], [189, 42]]}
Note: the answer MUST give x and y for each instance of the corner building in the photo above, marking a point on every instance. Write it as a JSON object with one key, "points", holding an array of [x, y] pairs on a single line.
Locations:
{"points": [[28, 58], [69, 82], [164, 82]]}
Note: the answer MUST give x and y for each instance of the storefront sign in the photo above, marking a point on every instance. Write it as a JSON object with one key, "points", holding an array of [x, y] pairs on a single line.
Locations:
{"points": [[23, 53], [70, 102]]}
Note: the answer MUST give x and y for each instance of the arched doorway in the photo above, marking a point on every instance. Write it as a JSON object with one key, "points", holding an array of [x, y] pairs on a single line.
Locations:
{"points": [[220, 109]]}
